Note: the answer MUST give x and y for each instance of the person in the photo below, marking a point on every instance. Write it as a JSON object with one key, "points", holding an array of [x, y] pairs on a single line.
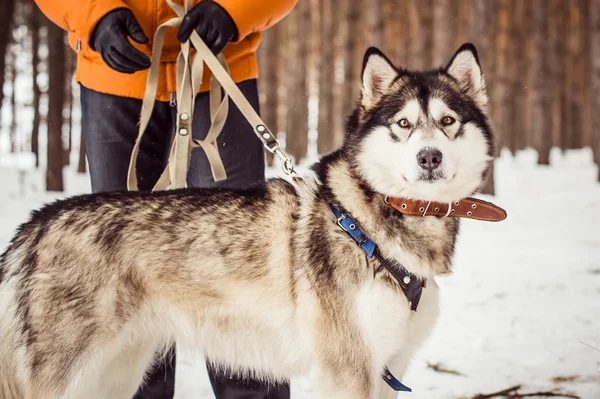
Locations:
{"points": [[113, 43]]}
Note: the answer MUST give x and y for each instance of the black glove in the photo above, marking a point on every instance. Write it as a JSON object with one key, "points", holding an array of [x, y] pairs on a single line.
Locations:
{"points": [[109, 38], [213, 24]]}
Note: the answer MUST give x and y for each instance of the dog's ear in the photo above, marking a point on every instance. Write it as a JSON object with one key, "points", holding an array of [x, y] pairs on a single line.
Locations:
{"points": [[378, 73], [465, 68]]}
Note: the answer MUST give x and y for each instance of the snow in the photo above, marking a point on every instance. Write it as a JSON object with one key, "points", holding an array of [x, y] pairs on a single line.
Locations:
{"points": [[521, 307]]}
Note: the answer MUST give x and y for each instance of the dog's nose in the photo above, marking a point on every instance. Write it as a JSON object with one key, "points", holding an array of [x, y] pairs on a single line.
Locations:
{"points": [[429, 158]]}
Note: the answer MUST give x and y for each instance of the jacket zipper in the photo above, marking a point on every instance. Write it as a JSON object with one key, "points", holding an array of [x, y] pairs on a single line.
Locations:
{"points": [[172, 99]]}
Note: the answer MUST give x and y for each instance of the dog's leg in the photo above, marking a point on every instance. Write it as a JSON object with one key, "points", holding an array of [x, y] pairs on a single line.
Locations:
{"points": [[126, 371], [342, 383]]}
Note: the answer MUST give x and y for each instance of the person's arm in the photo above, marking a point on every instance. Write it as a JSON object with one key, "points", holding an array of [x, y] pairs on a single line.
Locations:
{"points": [[79, 16], [256, 15]]}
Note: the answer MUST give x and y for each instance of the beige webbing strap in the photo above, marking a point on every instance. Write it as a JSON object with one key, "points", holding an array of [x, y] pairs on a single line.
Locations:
{"points": [[189, 79]]}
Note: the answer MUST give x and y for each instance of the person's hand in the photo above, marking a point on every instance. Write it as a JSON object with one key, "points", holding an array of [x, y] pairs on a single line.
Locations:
{"points": [[110, 39], [213, 24]]}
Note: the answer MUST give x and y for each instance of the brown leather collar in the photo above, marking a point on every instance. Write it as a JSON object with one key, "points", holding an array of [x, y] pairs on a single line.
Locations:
{"points": [[470, 208]]}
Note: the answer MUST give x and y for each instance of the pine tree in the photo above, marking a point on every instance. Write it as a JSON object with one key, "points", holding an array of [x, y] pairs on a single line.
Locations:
{"points": [[539, 121], [297, 131], [326, 140], [7, 9], [594, 9], [34, 27], [56, 99]]}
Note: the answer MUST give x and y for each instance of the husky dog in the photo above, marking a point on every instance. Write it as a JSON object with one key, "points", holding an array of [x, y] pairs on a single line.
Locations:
{"points": [[263, 280]]}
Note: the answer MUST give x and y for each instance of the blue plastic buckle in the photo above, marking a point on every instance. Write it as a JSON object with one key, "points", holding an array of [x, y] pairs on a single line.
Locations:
{"points": [[393, 382]]}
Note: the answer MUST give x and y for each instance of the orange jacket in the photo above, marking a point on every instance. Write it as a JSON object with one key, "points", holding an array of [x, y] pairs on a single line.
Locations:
{"points": [[79, 17]]}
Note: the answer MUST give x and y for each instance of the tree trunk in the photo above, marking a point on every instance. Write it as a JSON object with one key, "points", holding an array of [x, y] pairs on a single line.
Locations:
{"points": [[483, 31], [464, 13], [34, 27], [297, 132], [56, 100], [360, 38], [7, 8], [502, 100], [81, 166], [373, 10], [595, 77], [327, 140], [443, 32], [539, 121], [394, 41], [268, 82], [582, 71], [557, 42], [68, 105], [13, 103], [516, 125], [351, 69], [427, 42], [420, 30], [340, 57], [576, 83], [315, 69]]}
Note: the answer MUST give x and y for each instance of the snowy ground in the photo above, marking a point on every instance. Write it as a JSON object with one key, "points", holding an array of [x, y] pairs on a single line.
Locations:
{"points": [[523, 304]]}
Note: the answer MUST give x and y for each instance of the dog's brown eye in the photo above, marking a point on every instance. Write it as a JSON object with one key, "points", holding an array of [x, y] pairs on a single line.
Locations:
{"points": [[448, 120], [404, 123]]}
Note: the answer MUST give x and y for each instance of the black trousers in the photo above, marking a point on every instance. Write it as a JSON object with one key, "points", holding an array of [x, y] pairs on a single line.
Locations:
{"points": [[110, 125]]}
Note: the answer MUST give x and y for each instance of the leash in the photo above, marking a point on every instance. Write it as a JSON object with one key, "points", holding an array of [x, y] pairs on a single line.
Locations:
{"points": [[189, 78]]}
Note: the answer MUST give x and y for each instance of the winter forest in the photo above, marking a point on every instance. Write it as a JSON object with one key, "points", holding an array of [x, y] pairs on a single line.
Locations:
{"points": [[519, 314], [541, 61]]}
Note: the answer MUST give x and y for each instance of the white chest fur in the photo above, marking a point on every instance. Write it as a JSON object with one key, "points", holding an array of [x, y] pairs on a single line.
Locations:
{"points": [[391, 329]]}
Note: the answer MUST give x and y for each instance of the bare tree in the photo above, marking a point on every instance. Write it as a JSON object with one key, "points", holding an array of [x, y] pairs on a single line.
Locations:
{"points": [[69, 69], [7, 9], [443, 31], [326, 140], [268, 82], [464, 21], [34, 27], [297, 132], [483, 31], [595, 77], [557, 43], [12, 74], [575, 131], [394, 42], [374, 22], [539, 75], [81, 166], [56, 100], [340, 57], [420, 24], [357, 47], [351, 68]]}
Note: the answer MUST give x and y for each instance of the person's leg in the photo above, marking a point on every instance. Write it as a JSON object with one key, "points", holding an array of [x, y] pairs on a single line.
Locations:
{"points": [[241, 151], [244, 161], [110, 125]]}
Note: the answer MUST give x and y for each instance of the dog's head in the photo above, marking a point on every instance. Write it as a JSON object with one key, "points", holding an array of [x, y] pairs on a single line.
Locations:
{"points": [[422, 135]]}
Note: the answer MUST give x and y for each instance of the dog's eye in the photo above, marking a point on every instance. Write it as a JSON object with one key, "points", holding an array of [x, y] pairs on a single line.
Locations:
{"points": [[404, 123], [448, 120]]}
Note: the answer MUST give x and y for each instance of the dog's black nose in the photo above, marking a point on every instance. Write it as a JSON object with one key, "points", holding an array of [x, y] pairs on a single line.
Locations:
{"points": [[429, 158]]}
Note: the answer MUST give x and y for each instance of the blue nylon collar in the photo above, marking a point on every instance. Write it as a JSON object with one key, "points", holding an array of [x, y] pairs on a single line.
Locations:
{"points": [[351, 227]]}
